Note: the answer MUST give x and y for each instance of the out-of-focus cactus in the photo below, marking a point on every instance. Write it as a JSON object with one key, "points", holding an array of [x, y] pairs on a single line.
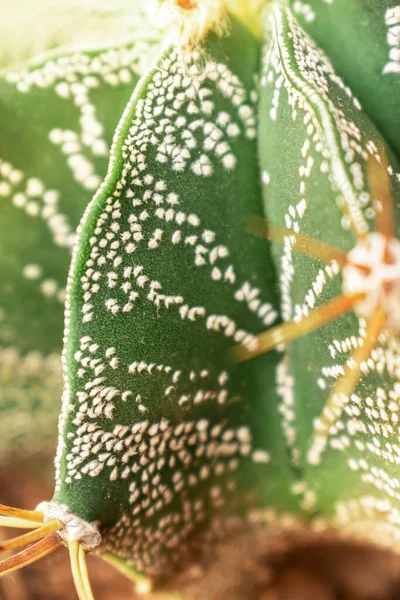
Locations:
{"points": [[331, 189], [58, 117], [28, 29]]}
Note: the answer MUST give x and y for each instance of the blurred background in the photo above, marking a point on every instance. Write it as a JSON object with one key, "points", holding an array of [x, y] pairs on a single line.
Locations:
{"points": [[30, 27]]}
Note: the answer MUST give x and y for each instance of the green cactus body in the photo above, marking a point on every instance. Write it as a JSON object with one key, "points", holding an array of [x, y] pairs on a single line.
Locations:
{"points": [[362, 40], [169, 446], [161, 433], [322, 186], [58, 118]]}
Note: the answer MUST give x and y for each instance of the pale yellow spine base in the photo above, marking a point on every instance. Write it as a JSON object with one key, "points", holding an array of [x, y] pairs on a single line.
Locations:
{"points": [[79, 571], [185, 23]]}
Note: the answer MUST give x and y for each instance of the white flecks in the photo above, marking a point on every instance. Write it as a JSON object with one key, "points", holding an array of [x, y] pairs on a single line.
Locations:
{"points": [[363, 424], [266, 177], [305, 10], [203, 166], [392, 18], [176, 123], [265, 311], [260, 456], [32, 271]]}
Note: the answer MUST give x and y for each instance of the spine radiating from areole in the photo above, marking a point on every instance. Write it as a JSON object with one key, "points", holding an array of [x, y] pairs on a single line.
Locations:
{"points": [[339, 300]]}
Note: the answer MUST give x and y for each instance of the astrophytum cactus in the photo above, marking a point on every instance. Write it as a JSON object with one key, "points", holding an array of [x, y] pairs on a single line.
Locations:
{"points": [[334, 227], [58, 116], [162, 436], [196, 426]]}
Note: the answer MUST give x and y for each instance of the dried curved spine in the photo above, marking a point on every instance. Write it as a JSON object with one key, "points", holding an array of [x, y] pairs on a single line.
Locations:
{"points": [[344, 387], [79, 571], [85, 574], [30, 537], [29, 515], [18, 523], [381, 191], [292, 330], [32, 554], [302, 243]]}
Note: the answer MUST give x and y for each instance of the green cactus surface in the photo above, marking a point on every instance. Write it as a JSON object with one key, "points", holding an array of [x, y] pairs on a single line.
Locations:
{"points": [[58, 118], [329, 184], [162, 434], [362, 40]]}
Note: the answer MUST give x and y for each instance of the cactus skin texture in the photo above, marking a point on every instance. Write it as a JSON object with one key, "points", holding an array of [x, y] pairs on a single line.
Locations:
{"points": [[362, 41], [58, 119], [162, 434], [336, 181]]}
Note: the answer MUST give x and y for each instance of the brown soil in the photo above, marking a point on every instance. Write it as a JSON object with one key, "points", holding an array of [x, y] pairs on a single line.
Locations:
{"points": [[22, 485], [318, 573]]}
